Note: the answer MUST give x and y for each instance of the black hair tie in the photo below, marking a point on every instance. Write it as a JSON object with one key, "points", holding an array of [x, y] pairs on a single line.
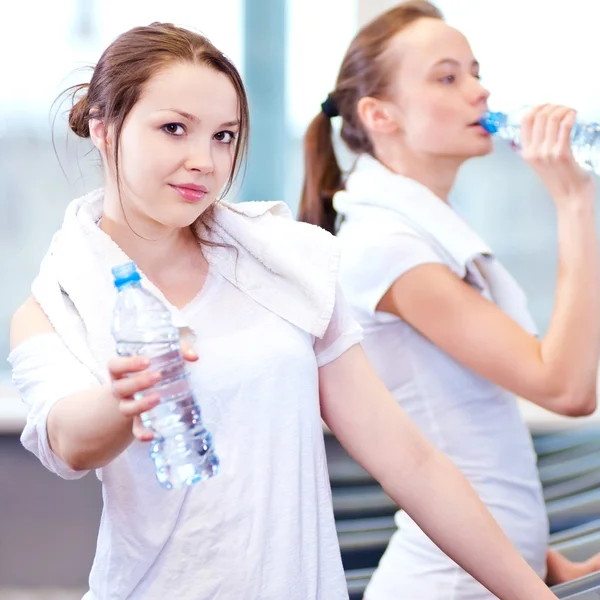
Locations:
{"points": [[329, 107]]}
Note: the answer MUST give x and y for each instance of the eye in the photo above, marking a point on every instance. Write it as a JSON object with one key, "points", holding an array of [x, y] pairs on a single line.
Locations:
{"points": [[448, 79], [175, 129], [225, 137]]}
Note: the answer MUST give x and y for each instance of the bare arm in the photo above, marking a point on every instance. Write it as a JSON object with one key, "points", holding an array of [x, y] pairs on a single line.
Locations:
{"points": [[558, 373], [429, 487], [89, 429]]}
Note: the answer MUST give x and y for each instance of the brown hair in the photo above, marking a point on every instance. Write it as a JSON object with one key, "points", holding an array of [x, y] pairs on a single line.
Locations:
{"points": [[364, 73], [127, 65]]}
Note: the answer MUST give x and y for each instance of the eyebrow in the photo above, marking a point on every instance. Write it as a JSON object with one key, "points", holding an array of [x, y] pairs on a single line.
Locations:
{"points": [[195, 119], [453, 61]]}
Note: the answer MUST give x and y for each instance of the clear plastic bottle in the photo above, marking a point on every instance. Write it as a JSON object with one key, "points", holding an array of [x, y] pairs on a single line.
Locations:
{"points": [[182, 448], [585, 137]]}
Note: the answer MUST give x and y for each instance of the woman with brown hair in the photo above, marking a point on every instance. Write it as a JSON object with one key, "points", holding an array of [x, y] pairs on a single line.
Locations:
{"points": [[255, 292], [446, 327]]}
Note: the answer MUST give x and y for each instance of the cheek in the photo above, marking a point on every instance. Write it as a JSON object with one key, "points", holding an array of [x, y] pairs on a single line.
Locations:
{"points": [[146, 158], [223, 158], [433, 125], [444, 112]]}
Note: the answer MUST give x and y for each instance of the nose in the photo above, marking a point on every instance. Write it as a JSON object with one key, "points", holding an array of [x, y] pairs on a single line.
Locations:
{"points": [[479, 92], [200, 158]]}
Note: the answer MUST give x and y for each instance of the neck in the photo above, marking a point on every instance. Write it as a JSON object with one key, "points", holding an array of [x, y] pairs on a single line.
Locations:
{"points": [[154, 247], [437, 173]]}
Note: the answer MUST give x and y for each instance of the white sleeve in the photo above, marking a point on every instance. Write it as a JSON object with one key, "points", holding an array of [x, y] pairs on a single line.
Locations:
{"points": [[369, 270], [342, 333], [45, 371]]}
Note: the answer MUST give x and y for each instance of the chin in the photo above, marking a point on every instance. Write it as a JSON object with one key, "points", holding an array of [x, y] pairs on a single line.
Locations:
{"points": [[184, 223], [182, 217], [482, 149], [483, 152]]}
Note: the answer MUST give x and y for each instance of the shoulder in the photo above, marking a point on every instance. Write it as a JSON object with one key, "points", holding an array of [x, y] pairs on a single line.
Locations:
{"points": [[28, 320], [369, 242]]}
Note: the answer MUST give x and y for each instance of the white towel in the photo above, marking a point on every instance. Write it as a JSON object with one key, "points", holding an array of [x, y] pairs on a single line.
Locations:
{"points": [[290, 268], [401, 205]]}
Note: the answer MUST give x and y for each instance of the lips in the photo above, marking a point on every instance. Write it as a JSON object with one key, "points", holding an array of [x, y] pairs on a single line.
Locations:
{"points": [[190, 192], [478, 121]]}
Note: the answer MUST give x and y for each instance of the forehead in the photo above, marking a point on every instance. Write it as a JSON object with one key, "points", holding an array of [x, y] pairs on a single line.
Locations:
{"points": [[426, 42], [196, 89]]}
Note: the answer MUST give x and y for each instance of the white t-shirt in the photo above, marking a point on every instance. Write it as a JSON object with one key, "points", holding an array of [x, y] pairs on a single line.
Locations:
{"points": [[470, 419], [263, 528]]}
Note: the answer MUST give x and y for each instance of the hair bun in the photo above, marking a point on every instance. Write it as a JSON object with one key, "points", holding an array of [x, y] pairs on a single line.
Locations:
{"points": [[79, 116]]}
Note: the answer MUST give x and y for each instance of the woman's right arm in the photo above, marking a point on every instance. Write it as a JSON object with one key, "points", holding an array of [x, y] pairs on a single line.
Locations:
{"points": [[89, 428], [558, 372]]}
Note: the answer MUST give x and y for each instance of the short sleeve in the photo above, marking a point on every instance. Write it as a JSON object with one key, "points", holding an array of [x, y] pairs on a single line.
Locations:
{"points": [[368, 270], [45, 371], [342, 333]]}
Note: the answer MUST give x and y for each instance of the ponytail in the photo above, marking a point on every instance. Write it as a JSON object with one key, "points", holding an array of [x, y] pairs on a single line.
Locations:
{"points": [[365, 72], [322, 175]]}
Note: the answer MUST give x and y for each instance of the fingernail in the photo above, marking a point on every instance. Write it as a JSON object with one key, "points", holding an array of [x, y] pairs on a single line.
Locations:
{"points": [[154, 399], [144, 362], [155, 376]]}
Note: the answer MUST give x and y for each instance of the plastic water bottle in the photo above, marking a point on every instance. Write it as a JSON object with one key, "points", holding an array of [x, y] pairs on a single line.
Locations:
{"points": [[585, 137], [182, 448]]}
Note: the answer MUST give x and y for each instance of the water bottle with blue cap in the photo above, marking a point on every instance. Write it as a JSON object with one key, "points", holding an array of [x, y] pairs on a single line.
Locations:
{"points": [[182, 448], [585, 137]]}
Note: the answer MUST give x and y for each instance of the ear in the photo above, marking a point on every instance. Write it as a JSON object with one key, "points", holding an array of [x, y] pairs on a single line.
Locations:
{"points": [[376, 115], [99, 135]]}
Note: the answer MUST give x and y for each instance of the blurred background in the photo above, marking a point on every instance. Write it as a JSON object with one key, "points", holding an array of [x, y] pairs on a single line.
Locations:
{"points": [[288, 51]]}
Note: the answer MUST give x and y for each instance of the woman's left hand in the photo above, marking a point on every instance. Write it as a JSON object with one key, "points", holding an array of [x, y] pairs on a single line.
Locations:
{"points": [[561, 569], [546, 146]]}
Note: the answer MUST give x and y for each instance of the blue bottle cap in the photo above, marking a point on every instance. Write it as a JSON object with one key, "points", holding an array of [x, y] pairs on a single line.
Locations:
{"points": [[125, 274], [491, 121]]}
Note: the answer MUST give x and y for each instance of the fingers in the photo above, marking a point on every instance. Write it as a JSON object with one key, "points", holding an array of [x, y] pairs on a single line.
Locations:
{"points": [[546, 134], [188, 352], [131, 386], [121, 366], [554, 125], [130, 390], [547, 147], [140, 403], [539, 128], [125, 388], [140, 432], [527, 127], [564, 134]]}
